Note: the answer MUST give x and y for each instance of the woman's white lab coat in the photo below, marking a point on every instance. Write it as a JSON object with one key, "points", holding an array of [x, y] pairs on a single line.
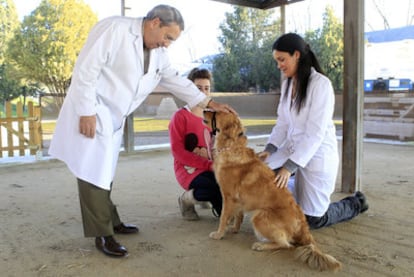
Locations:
{"points": [[309, 140], [109, 81]]}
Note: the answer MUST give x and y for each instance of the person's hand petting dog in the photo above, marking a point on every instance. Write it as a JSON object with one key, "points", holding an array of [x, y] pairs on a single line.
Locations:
{"points": [[220, 107], [282, 178]]}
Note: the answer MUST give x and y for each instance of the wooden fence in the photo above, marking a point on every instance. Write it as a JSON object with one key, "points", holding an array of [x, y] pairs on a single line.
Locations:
{"points": [[19, 133], [389, 116]]}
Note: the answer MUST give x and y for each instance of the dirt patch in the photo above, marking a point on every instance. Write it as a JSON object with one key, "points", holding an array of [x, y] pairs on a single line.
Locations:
{"points": [[42, 235]]}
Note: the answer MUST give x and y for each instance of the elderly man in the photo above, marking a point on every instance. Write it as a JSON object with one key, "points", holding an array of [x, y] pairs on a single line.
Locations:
{"points": [[123, 60]]}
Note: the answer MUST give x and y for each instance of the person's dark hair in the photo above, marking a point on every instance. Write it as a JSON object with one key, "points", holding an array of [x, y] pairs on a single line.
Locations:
{"points": [[197, 73], [167, 15], [290, 43]]}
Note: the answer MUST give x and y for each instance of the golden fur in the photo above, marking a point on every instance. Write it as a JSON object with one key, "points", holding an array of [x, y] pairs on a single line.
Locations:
{"points": [[247, 185]]}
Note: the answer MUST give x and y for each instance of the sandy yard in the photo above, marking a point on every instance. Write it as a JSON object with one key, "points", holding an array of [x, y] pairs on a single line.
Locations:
{"points": [[41, 231]]}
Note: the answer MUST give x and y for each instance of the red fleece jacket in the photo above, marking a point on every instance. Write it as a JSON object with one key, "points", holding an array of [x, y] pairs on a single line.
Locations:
{"points": [[187, 131]]}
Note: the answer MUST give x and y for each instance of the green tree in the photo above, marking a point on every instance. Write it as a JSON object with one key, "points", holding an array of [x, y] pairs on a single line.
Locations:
{"points": [[328, 45], [9, 22], [9, 87], [46, 46], [246, 61]]}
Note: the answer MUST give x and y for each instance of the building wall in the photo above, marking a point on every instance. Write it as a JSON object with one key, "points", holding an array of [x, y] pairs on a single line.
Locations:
{"points": [[246, 104]]}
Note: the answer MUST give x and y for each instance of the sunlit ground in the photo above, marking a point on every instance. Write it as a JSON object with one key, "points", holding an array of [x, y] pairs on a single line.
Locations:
{"points": [[153, 125]]}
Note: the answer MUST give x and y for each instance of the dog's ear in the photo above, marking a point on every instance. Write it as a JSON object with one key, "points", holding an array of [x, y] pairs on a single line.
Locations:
{"points": [[242, 132]]}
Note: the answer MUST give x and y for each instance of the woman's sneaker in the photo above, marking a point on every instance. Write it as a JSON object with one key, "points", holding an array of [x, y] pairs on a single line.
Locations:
{"points": [[187, 208], [204, 205], [363, 200]]}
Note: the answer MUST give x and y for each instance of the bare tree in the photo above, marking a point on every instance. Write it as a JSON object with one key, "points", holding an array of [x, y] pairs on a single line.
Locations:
{"points": [[410, 13], [384, 9], [384, 18]]}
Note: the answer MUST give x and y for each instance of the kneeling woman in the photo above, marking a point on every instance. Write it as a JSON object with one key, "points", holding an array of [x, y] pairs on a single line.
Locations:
{"points": [[304, 139]]}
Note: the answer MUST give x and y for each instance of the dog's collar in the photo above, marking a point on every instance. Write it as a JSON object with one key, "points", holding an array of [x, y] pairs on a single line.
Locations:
{"points": [[221, 150], [226, 149], [214, 128]]}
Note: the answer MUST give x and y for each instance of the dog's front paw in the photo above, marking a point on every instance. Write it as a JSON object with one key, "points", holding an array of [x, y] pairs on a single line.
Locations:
{"points": [[216, 235], [258, 246]]}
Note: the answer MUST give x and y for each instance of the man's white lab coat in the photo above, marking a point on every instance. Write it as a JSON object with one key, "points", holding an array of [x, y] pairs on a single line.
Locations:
{"points": [[109, 81]]}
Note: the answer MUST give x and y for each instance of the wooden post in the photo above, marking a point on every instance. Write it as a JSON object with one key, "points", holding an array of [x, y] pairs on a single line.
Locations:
{"points": [[32, 129], [129, 140], [35, 128], [9, 126], [283, 19], [1, 140], [282, 31], [353, 95], [129, 134], [20, 127]]}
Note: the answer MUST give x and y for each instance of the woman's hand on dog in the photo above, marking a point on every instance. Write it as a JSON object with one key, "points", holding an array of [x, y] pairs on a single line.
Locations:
{"points": [[282, 178], [282, 175]]}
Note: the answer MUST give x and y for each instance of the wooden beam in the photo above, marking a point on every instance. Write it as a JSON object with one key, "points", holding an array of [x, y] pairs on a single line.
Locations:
{"points": [[276, 3], [243, 3], [264, 4], [353, 95], [129, 133]]}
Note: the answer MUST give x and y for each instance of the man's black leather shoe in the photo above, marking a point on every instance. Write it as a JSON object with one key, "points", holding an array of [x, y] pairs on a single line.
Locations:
{"points": [[109, 246], [125, 229]]}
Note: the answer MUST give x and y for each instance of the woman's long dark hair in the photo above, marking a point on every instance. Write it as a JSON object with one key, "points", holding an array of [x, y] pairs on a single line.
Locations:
{"points": [[290, 43]]}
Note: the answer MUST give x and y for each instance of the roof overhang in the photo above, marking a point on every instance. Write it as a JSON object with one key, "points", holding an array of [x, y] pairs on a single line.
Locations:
{"points": [[259, 4]]}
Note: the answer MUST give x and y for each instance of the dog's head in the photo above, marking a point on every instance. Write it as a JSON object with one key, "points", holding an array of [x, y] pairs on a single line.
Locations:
{"points": [[227, 128]]}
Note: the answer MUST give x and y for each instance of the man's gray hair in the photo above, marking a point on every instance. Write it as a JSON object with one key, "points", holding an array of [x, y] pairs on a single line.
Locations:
{"points": [[167, 15]]}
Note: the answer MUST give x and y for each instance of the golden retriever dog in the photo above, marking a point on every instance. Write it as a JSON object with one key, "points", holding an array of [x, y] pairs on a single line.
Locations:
{"points": [[247, 185]]}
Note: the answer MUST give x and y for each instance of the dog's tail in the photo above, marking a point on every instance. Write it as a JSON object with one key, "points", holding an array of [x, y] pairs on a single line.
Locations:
{"points": [[315, 259]]}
